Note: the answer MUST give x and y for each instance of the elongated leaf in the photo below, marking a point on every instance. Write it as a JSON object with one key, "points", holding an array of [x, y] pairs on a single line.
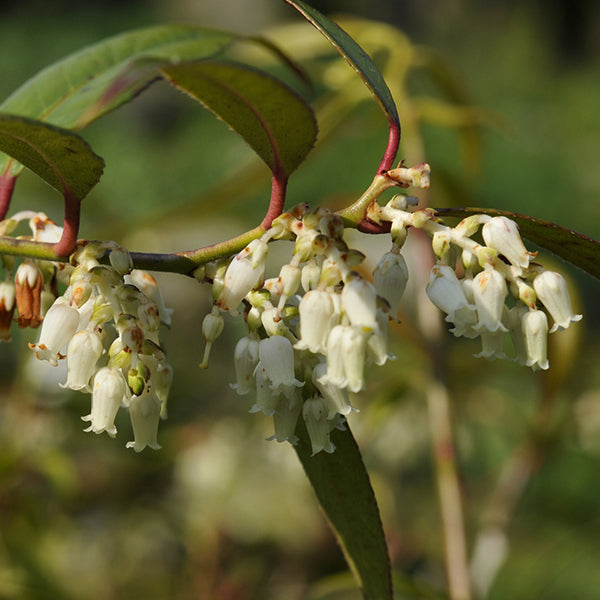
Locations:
{"points": [[82, 87], [576, 248], [277, 124], [60, 157], [358, 59], [344, 491]]}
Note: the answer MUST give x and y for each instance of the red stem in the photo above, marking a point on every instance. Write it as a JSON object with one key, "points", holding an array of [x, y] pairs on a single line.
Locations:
{"points": [[277, 202], [392, 148], [7, 185], [67, 243]]}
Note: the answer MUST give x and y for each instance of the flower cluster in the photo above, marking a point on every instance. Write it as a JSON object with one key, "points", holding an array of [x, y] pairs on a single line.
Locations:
{"points": [[108, 319], [312, 329], [501, 293]]}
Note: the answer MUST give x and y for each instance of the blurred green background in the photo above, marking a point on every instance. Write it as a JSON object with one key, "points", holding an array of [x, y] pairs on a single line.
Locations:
{"points": [[502, 99]]}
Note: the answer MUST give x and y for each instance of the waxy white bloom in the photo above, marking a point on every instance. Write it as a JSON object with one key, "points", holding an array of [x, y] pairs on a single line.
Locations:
{"points": [[551, 289], [514, 322], [446, 292], [535, 332], [489, 291], [276, 356], [267, 399], [243, 274], [144, 412], [285, 419], [83, 352], [336, 373], [148, 285], [59, 326], [108, 392], [318, 425], [492, 345], [317, 313], [502, 234], [336, 398], [354, 350], [390, 277], [359, 303], [245, 357]]}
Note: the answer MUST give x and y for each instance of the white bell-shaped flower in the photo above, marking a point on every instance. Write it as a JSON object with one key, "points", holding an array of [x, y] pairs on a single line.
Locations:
{"points": [[354, 350], [148, 285], [285, 419], [336, 374], [144, 412], [492, 345], [444, 289], [514, 322], [245, 358], [336, 398], [551, 289], [317, 312], [243, 274], [59, 326], [83, 352], [277, 358], [489, 291], [359, 303], [108, 392], [502, 234], [318, 425], [535, 332], [390, 277], [267, 399]]}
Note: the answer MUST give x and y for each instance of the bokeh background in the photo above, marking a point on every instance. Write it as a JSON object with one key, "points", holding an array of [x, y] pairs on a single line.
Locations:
{"points": [[502, 99]]}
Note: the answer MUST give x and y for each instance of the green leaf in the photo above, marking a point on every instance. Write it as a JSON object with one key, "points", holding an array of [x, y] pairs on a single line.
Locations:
{"points": [[344, 491], [358, 59], [276, 123], [86, 85], [60, 157], [576, 248]]}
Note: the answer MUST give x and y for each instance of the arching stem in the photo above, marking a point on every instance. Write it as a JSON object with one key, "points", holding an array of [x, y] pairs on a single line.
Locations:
{"points": [[7, 185]]}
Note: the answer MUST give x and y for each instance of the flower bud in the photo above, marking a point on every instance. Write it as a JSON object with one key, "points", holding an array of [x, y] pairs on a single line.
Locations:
{"points": [[7, 308], [28, 291], [120, 260], [212, 327]]}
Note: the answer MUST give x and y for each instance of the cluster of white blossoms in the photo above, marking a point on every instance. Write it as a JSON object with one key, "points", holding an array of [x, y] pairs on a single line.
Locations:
{"points": [[500, 294], [314, 327], [107, 319]]}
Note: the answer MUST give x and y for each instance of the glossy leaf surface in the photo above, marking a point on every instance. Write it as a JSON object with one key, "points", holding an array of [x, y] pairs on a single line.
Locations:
{"points": [[576, 248], [86, 85], [275, 122], [60, 157], [358, 59], [344, 491]]}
